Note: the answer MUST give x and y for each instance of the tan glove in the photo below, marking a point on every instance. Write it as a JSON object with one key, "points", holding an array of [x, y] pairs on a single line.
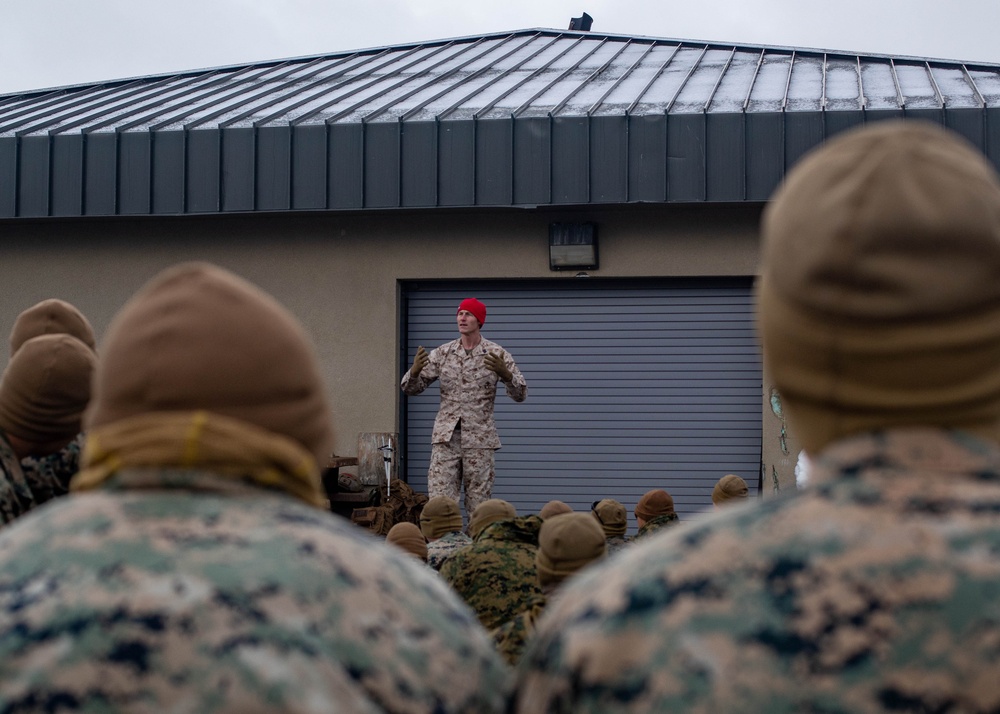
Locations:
{"points": [[495, 363], [419, 362]]}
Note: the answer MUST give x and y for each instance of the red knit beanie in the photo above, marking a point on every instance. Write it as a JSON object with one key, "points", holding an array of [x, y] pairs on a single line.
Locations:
{"points": [[477, 309]]}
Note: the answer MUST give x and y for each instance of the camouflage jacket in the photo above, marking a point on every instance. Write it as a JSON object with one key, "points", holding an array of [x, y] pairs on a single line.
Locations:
{"points": [[875, 588], [15, 495], [655, 524], [617, 543], [180, 590], [49, 476], [511, 637], [441, 549], [468, 390], [496, 575]]}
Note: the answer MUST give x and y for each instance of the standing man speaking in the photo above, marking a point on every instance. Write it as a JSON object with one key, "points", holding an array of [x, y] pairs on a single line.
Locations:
{"points": [[465, 434]]}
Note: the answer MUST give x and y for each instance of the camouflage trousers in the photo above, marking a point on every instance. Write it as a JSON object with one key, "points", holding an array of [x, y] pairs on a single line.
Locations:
{"points": [[453, 468]]}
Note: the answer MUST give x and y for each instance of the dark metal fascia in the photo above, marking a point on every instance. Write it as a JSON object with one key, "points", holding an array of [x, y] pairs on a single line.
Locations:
{"points": [[63, 111], [190, 104], [372, 83], [565, 73], [515, 87], [753, 81], [652, 79], [433, 80], [934, 84], [718, 82], [694, 67], [593, 75], [900, 99], [788, 81], [621, 79], [243, 99], [975, 88], [503, 74]]}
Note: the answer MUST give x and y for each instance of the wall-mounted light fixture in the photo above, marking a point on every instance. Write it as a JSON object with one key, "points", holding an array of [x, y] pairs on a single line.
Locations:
{"points": [[572, 246]]}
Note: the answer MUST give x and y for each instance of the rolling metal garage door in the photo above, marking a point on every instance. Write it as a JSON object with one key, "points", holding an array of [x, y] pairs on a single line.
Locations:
{"points": [[630, 387]]}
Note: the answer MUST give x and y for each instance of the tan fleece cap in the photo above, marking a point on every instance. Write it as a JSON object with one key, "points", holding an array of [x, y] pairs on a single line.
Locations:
{"points": [[612, 516], [407, 536], [440, 516], [51, 317], [654, 503], [199, 337], [554, 508], [879, 299], [566, 543], [488, 512], [46, 388], [730, 487]]}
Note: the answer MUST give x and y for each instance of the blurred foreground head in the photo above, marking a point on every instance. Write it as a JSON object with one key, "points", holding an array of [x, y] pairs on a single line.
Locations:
{"points": [[878, 303]]}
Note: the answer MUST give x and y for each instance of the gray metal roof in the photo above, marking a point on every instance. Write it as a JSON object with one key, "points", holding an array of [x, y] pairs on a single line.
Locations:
{"points": [[525, 118]]}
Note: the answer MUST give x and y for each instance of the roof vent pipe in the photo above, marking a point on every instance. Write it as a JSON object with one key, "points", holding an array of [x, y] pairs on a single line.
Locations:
{"points": [[581, 23]]}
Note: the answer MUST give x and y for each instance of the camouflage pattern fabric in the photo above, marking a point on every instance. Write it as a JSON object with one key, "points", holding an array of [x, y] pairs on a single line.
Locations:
{"points": [[658, 523], [452, 468], [15, 495], [468, 393], [876, 588], [496, 575], [444, 547], [49, 476], [178, 590], [617, 543], [511, 637]]}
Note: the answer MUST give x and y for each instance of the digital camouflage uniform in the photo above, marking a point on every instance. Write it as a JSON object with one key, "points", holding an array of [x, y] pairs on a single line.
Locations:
{"points": [[15, 495], [657, 523], [511, 637], [49, 476], [441, 549], [496, 575], [182, 591], [876, 588], [465, 433], [617, 543]]}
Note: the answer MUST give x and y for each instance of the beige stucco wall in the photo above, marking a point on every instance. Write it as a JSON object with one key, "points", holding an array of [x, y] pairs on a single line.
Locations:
{"points": [[340, 273]]}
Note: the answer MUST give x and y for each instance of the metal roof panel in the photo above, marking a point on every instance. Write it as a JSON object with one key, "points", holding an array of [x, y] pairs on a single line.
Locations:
{"points": [[511, 118]]}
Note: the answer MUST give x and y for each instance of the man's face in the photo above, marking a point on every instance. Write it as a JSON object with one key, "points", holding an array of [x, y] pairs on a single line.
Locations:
{"points": [[467, 323]]}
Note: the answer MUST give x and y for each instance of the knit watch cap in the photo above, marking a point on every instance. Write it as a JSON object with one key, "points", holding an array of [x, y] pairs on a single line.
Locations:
{"points": [[475, 307], [45, 389], [407, 536], [566, 543], [489, 512], [730, 487], [654, 503], [51, 317], [878, 304], [612, 516], [197, 337], [553, 508], [440, 516]]}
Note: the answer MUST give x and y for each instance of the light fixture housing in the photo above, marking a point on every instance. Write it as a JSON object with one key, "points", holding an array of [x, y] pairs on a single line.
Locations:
{"points": [[572, 246]]}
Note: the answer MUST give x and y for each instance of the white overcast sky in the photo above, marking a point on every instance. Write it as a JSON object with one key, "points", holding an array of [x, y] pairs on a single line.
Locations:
{"points": [[51, 43]]}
